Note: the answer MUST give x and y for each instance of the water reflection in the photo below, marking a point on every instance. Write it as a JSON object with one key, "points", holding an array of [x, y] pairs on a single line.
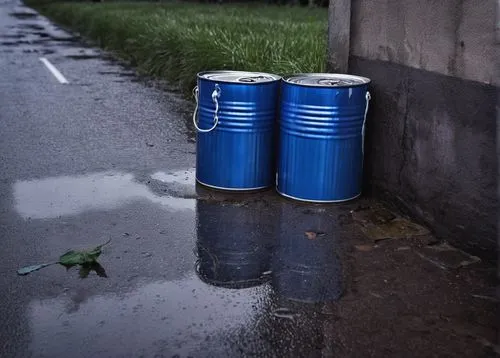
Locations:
{"points": [[72, 195], [164, 318], [240, 240], [306, 264], [233, 243]]}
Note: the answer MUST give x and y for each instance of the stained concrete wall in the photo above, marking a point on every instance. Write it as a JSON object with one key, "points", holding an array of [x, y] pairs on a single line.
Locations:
{"points": [[431, 131], [451, 37]]}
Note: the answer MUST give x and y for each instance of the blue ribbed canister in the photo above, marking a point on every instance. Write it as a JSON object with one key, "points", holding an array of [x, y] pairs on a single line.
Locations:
{"points": [[321, 129], [236, 121]]}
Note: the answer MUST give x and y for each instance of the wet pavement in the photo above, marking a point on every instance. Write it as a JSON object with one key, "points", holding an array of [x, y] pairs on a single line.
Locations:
{"points": [[192, 272]]}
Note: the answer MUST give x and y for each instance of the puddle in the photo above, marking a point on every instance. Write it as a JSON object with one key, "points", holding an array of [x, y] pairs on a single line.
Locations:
{"points": [[306, 265], [174, 317], [40, 34], [180, 183], [80, 54], [13, 43], [64, 38], [234, 244], [68, 195], [82, 57], [23, 15], [22, 42], [31, 26], [30, 50], [12, 36], [187, 177]]}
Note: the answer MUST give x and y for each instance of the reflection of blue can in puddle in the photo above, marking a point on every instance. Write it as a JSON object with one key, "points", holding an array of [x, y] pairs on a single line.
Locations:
{"points": [[232, 244], [321, 128], [306, 263], [236, 124]]}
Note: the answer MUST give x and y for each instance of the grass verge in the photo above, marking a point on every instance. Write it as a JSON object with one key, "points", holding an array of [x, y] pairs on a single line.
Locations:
{"points": [[176, 40]]}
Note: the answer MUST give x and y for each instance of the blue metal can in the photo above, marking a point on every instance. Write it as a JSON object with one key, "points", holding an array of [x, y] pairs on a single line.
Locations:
{"points": [[237, 114], [321, 128]]}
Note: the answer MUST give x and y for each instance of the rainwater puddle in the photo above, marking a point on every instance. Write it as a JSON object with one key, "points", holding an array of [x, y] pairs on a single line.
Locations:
{"points": [[243, 245], [307, 260], [80, 54], [15, 43], [180, 183], [72, 195], [82, 57], [171, 317], [32, 26], [234, 244], [24, 14], [186, 177], [12, 36]]}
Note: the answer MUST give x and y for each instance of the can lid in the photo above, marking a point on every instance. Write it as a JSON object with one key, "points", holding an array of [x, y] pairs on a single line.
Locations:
{"points": [[239, 76], [327, 80]]}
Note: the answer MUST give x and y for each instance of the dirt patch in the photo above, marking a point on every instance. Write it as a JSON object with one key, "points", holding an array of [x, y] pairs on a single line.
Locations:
{"points": [[378, 223]]}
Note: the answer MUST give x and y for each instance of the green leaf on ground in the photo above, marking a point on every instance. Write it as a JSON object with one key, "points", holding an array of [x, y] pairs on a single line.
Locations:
{"points": [[72, 257], [87, 259]]}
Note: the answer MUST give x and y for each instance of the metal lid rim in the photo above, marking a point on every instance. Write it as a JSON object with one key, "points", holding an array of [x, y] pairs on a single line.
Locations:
{"points": [[273, 77], [365, 80]]}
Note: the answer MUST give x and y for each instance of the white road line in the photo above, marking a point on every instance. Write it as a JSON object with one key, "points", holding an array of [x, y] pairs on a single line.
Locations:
{"points": [[54, 70]]}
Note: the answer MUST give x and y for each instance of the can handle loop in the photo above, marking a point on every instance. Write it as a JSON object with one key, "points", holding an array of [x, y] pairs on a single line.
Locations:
{"points": [[215, 96], [368, 97]]}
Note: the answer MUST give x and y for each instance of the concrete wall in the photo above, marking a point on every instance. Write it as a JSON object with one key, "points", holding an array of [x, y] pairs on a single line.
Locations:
{"points": [[431, 132], [451, 37]]}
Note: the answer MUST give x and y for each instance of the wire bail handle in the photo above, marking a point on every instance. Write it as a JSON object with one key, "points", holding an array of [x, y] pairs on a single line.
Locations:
{"points": [[368, 97], [215, 98]]}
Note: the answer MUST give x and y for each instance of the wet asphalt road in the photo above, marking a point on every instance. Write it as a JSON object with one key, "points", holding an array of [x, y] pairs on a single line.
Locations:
{"points": [[106, 156], [190, 272]]}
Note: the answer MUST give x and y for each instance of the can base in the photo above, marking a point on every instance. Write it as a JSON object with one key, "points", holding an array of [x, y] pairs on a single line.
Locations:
{"points": [[317, 201], [233, 284], [234, 189]]}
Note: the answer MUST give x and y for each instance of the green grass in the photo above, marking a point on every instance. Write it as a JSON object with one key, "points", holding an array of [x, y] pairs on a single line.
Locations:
{"points": [[176, 40]]}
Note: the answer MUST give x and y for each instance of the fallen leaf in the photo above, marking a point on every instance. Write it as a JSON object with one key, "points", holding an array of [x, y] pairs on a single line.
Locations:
{"points": [[72, 257]]}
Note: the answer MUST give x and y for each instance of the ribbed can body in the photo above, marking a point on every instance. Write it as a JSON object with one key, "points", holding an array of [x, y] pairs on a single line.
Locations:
{"points": [[238, 154], [321, 141]]}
